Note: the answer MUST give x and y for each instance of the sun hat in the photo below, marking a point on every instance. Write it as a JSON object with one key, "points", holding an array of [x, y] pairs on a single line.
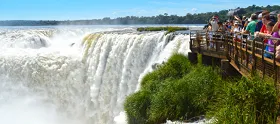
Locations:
{"points": [[236, 23], [260, 15]]}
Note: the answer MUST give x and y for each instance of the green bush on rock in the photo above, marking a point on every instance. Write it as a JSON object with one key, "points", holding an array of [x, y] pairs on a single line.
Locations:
{"points": [[168, 29], [137, 106], [178, 90], [175, 68], [184, 98]]}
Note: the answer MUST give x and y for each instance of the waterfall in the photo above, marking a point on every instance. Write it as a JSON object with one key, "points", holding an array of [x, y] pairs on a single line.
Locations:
{"points": [[81, 78]]}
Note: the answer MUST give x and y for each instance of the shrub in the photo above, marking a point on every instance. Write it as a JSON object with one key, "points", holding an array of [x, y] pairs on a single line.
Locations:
{"points": [[246, 101], [179, 90], [175, 68], [184, 98], [137, 106], [168, 29]]}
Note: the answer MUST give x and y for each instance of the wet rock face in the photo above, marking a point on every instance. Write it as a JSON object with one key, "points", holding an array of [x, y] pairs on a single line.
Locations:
{"points": [[155, 66]]}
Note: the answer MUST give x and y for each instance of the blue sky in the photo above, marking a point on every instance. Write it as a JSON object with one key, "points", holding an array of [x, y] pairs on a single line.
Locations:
{"points": [[92, 9]]}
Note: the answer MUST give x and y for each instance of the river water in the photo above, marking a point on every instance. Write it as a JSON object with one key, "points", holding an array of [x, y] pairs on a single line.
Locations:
{"points": [[76, 74]]}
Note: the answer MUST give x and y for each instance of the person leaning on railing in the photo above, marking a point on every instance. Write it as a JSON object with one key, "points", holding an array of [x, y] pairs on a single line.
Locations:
{"points": [[267, 39], [251, 27], [276, 27]]}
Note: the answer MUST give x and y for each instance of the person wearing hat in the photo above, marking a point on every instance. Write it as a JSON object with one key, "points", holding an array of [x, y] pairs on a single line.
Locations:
{"points": [[214, 23], [260, 23], [236, 29], [214, 27]]}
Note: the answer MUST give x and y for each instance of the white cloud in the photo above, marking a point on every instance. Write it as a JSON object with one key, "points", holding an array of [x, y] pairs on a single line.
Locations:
{"points": [[165, 3], [194, 9], [161, 11], [142, 11]]}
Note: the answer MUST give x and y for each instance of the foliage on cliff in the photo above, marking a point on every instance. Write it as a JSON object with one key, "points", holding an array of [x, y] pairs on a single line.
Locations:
{"points": [[178, 90]]}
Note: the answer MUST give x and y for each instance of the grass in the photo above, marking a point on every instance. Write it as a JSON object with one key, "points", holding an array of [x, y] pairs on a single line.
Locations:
{"points": [[179, 90], [247, 101], [168, 29]]}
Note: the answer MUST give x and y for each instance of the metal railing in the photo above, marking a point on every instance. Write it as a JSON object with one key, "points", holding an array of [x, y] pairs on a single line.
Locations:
{"points": [[245, 52]]}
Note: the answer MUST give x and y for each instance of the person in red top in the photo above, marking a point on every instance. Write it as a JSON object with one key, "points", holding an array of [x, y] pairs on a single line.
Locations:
{"points": [[265, 20]]}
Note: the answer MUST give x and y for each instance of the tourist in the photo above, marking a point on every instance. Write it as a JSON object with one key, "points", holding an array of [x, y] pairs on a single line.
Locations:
{"points": [[260, 23], [213, 27], [265, 20], [214, 23], [268, 34], [276, 27], [221, 28], [245, 24], [236, 29], [251, 27], [243, 21]]}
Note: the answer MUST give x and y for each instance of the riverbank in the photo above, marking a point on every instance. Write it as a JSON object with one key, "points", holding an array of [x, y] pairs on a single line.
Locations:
{"points": [[179, 90], [168, 29]]}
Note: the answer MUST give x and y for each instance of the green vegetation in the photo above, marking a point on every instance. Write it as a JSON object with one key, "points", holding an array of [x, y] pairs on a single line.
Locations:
{"points": [[178, 90], [246, 101], [168, 29], [197, 18]]}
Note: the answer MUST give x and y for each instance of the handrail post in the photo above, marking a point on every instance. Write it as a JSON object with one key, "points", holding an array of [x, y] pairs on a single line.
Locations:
{"points": [[247, 55], [233, 46], [236, 53], [207, 42], [241, 51], [263, 62], [274, 66], [191, 40], [198, 41], [215, 41], [225, 43], [254, 57]]}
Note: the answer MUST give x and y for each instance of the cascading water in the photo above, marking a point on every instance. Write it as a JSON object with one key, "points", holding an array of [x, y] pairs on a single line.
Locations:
{"points": [[51, 76]]}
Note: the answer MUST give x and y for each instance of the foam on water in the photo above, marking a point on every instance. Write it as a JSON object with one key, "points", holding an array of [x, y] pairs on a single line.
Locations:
{"points": [[79, 77]]}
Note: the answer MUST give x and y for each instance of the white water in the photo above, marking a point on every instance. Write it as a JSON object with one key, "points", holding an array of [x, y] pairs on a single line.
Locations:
{"points": [[46, 79]]}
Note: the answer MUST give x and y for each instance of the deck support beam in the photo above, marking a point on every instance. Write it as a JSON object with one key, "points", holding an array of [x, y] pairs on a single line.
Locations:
{"points": [[192, 57], [207, 60]]}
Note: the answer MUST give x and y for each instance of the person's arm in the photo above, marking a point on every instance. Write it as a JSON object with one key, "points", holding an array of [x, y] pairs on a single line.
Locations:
{"points": [[259, 34], [276, 27], [238, 19], [245, 26], [246, 31], [209, 28], [231, 30]]}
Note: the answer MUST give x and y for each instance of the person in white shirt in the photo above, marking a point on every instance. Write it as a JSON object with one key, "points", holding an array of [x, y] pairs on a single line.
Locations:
{"points": [[214, 24]]}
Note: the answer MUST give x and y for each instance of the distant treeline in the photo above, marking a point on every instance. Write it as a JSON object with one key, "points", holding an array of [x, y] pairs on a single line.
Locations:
{"points": [[200, 18]]}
